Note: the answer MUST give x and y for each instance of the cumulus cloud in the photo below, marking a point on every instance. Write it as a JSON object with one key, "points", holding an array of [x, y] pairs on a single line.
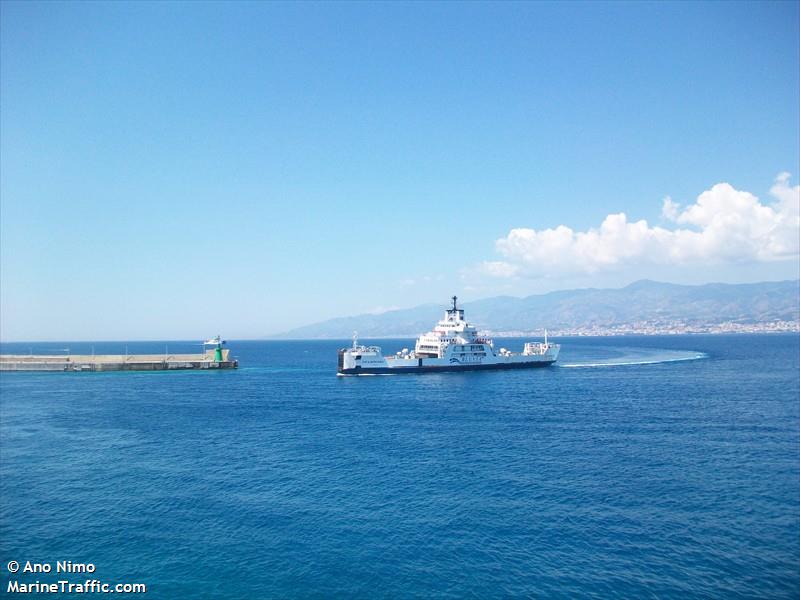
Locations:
{"points": [[724, 225]]}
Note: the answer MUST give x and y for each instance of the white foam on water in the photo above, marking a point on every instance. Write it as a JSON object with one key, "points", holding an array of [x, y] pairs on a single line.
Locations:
{"points": [[621, 362]]}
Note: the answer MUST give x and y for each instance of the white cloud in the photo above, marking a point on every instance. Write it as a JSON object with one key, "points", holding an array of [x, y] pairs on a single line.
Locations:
{"points": [[670, 209], [499, 268], [724, 225]]}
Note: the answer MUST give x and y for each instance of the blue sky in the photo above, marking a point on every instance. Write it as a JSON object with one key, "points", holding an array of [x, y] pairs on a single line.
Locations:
{"points": [[174, 170]]}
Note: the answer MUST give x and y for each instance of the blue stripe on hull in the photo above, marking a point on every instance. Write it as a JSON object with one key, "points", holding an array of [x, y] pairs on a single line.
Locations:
{"points": [[442, 369]]}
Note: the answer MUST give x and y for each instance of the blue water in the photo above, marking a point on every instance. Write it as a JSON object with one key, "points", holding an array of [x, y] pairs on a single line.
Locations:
{"points": [[641, 467]]}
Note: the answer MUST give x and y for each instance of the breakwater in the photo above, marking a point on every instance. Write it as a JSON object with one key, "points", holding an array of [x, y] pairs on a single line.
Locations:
{"points": [[211, 359]]}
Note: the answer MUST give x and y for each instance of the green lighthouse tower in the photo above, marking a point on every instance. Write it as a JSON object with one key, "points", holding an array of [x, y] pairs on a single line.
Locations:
{"points": [[217, 343]]}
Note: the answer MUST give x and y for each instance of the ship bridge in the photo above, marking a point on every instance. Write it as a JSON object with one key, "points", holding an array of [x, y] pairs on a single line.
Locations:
{"points": [[452, 330]]}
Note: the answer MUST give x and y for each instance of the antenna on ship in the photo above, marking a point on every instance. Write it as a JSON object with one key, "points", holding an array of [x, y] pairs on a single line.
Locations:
{"points": [[545, 337], [355, 340], [454, 302]]}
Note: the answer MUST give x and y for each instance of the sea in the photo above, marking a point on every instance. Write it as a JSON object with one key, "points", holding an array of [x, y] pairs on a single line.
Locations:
{"points": [[638, 467]]}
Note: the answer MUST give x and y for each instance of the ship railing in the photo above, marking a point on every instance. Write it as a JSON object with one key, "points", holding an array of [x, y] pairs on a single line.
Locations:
{"points": [[360, 349], [369, 348], [536, 348]]}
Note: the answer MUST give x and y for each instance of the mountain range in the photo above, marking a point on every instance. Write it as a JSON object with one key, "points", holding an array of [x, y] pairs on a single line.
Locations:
{"points": [[643, 306]]}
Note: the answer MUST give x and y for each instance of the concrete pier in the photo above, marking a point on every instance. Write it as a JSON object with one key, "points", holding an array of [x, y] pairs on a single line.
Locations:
{"points": [[118, 362]]}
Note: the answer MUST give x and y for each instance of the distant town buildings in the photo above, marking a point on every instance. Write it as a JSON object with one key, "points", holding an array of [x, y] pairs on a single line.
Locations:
{"points": [[658, 328]]}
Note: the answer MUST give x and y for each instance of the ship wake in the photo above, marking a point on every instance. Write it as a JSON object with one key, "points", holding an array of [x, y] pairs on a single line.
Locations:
{"points": [[635, 358]]}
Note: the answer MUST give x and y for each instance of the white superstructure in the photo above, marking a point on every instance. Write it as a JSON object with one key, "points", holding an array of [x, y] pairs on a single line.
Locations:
{"points": [[452, 345]]}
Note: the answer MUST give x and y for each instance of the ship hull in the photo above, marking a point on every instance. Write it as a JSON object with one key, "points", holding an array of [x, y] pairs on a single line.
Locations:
{"points": [[445, 368]]}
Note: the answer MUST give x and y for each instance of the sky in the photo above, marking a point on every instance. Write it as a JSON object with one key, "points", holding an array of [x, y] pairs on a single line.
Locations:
{"points": [[177, 170]]}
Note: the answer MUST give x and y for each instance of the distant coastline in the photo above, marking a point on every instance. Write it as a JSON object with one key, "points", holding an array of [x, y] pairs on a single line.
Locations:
{"points": [[664, 329], [781, 327], [641, 308]]}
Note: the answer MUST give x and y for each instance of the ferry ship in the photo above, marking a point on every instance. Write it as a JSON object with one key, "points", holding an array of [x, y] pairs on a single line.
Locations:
{"points": [[453, 345]]}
